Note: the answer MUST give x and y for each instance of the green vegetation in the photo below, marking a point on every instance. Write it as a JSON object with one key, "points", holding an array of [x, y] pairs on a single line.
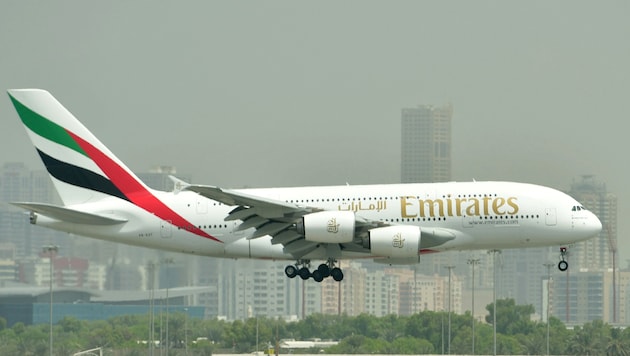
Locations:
{"points": [[422, 333]]}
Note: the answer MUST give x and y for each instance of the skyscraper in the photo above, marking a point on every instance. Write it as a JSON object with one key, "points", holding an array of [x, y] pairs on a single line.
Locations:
{"points": [[426, 144], [596, 253], [592, 289]]}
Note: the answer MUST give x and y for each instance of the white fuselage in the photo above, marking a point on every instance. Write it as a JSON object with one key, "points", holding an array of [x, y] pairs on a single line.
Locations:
{"points": [[480, 215]]}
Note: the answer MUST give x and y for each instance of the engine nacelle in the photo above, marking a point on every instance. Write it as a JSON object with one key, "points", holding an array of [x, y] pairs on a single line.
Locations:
{"points": [[401, 242], [328, 226]]}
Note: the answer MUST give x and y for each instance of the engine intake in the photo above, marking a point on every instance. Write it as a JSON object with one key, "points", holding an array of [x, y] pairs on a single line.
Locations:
{"points": [[328, 226]]}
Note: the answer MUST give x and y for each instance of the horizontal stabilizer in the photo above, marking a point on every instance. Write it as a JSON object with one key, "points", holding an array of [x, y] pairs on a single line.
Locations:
{"points": [[69, 215]]}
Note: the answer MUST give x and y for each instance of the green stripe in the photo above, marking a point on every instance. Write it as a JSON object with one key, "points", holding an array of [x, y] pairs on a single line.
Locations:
{"points": [[45, 128]]}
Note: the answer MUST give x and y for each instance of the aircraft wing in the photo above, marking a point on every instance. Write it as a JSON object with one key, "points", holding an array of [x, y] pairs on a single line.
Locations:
{"points": [[279, 220], [266, 207]]}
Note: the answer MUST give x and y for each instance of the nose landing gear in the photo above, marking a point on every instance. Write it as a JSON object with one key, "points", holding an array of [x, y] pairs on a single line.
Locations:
{"points": [[563, 264]]}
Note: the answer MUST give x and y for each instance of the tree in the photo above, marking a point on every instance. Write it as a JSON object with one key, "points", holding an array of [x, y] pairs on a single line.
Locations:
{"points": [[428, 325], [618, 345], [534, 343], [411, 346], [511, 318], [590, 339], [349, 345]]}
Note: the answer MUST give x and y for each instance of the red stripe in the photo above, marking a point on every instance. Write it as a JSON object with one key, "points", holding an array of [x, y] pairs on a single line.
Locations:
{"points": [[135, 191]]}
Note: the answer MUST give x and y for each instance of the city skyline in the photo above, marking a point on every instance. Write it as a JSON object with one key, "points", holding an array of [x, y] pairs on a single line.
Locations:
{"points": [[289, 94], [116, 266]]}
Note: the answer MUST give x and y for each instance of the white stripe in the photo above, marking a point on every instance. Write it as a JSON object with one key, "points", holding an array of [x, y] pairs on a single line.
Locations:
{"points": [[63, 153]]}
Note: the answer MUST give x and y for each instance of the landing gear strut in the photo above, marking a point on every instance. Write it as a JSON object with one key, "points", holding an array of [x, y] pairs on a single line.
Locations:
{"points": [[325, 270], [563, 264]]}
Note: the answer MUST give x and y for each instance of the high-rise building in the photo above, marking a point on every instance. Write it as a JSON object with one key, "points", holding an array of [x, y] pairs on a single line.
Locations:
{"points": [[382, 293], [426, 144], [350, 300], [158, 177], [593, 287], [582, 296], [18, 183], [596, 253]]}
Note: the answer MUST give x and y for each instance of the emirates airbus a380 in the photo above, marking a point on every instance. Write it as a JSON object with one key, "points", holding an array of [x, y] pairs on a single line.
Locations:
{"points": [[392, 224]]}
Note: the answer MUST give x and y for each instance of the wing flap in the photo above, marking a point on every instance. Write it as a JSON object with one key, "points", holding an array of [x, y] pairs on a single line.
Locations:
{"points": [[271, 229], [300, 248], [240, 213], [285, 237], [254, 221], [69, 215]]}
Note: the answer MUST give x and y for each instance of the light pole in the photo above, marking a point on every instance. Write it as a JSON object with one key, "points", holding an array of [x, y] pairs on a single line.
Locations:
{"points": [[186, 331], [548, 265], [494, 300], [167, 261], [450, 270], [50, 250], [473, 262], [151, 281]]}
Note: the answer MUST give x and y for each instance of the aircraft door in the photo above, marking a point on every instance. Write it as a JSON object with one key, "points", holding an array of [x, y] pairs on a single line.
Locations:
{"points": [[202, 205], [550, 216]]}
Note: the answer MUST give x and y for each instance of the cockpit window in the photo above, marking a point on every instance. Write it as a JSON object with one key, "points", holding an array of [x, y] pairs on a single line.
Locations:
{"points": [[578, 208]]}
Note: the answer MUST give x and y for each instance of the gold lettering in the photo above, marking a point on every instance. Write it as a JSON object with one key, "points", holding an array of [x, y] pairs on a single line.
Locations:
{"points": [[403, 207], [473, 209], [512, 202], [412, 207], [431, 204], [497, 204], [458, 206], [485, 204]]}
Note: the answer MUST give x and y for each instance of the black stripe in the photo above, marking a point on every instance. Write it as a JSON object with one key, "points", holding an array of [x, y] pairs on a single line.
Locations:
{"points": [[79, 177]]}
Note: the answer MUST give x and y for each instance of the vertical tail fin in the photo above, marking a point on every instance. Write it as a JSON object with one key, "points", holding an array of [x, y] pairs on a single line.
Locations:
{"points": [[81, 167]]}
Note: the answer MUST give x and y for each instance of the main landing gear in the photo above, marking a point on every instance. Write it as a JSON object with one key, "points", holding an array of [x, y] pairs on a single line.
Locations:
{"points": [[563, 265], [325, 270]]}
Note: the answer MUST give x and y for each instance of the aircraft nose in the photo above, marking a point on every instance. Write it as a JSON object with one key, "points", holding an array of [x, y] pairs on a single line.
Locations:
{"points": [[594, 226]]}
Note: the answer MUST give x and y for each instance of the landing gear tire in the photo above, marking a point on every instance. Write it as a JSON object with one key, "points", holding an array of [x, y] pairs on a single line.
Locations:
{"points": [[324, 270], [317, 275], [291, 271], [563, 265], [336, 274], [304, 273]]}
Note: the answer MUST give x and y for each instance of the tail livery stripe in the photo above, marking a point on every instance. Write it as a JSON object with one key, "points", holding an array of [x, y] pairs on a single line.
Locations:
{"points": [[134, 191], [120, 184], [44, 127], [79, 177]]}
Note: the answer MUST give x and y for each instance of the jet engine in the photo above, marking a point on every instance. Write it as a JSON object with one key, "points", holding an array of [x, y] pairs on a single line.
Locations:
{"points": [[401, 242], [328, 226]]}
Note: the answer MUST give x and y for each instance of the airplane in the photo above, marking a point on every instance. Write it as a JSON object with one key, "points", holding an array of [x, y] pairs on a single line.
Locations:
{"points": [[388, 223]]}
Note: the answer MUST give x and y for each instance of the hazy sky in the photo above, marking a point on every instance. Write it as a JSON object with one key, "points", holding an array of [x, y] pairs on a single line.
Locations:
{"points": [[285, 93]]}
